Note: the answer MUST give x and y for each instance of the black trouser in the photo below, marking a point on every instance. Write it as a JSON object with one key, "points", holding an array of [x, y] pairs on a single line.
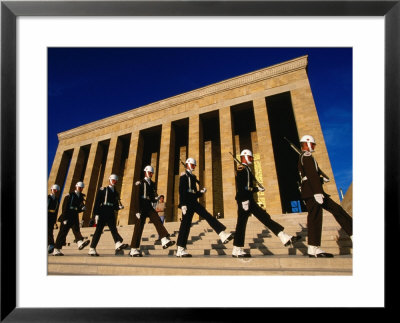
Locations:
{"points": [[51, 220], [106, 218], [184, 229], [260, 214], [72, 222], [314, 218], [139, 226]]}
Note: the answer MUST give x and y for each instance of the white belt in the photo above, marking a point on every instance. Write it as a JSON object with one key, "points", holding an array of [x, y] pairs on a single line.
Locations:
{"points": [[191, 191], [145, 197], [108, 204], [73, 208]]}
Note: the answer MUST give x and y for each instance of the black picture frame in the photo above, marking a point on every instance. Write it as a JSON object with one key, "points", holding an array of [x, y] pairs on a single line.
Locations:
{"points": [[10, 10]]}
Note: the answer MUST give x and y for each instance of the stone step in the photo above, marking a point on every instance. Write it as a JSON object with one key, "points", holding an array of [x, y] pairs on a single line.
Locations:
{"points": [[199, 265], [249, 243], [212, 250]]}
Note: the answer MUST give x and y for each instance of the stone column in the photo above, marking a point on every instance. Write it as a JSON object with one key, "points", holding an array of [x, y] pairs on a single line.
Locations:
{"points": [[59, 170], [110, 163], [307, 123], [71, 180], [195, 151], [90, 180], [208, 178], [269, 174], [166, 166], [131, 175], [228, 164], [59, 166]]}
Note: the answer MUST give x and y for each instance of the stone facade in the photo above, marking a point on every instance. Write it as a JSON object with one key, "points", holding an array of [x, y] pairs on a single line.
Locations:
{"points": [[206, 124]]}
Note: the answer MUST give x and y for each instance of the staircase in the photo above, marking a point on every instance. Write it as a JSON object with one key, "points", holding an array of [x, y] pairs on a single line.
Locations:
{"points": [[210, 256]]}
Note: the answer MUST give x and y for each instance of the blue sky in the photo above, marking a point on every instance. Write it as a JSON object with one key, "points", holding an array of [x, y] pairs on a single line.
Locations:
{"points": [[88, 84]]}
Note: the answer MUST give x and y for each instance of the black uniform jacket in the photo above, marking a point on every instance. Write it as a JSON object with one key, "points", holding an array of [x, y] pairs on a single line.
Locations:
{"points": [[188, 193], [72, 205], [107, 201], [308, 168], [52, 205], [244, 183], [147, 194]]}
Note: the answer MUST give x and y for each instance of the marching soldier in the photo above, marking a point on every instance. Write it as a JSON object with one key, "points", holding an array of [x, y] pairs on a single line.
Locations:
{"points": [[106, 203], [53, 203], [247, 205], [73, 204], [316, 199], [148, 196], [188, 203]]}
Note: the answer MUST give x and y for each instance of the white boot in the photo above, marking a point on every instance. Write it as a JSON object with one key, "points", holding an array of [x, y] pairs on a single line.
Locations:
{"points": [[317, 252], [284, 237], [165, 242], [225, 237], [93, 252], [135, 253], [238, 252], [181, 252], [82, 244], [57, 252], [119, 246]]}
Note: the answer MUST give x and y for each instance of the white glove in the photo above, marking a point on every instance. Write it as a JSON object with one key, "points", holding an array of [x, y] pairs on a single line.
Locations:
{"points": [[65, 222], [83, 208], [245, 205], [203, 190], [325, 179], [96, 219], [319, 198], [137, 183], [121, 207], [260, 189], [184, 209], [157, 198], [138, 215]]}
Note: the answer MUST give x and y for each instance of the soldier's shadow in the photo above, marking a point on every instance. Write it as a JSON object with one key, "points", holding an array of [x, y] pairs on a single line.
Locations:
{"points": [[299, 245], [258, 243], [344, 242]]}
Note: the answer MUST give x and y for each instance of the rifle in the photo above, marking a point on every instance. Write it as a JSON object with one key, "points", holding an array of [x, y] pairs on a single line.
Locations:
{"points": [[238, 162], [184, 165], [297, 150]]}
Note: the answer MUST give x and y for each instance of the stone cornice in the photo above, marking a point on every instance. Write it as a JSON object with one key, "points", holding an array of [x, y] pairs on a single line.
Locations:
{"points": [[235, 82]]}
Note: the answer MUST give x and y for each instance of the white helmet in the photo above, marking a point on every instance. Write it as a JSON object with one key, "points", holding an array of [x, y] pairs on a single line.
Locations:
{"points": [[309, 140], [55, 187], [149, 169], [246, 153], [80, 184], [113, 176], [191, 161]]}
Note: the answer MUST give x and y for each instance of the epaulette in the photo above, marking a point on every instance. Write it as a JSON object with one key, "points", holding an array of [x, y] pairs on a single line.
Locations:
{"points": [[183, 173], [101, 188], [307, 153], [240, 167]]}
